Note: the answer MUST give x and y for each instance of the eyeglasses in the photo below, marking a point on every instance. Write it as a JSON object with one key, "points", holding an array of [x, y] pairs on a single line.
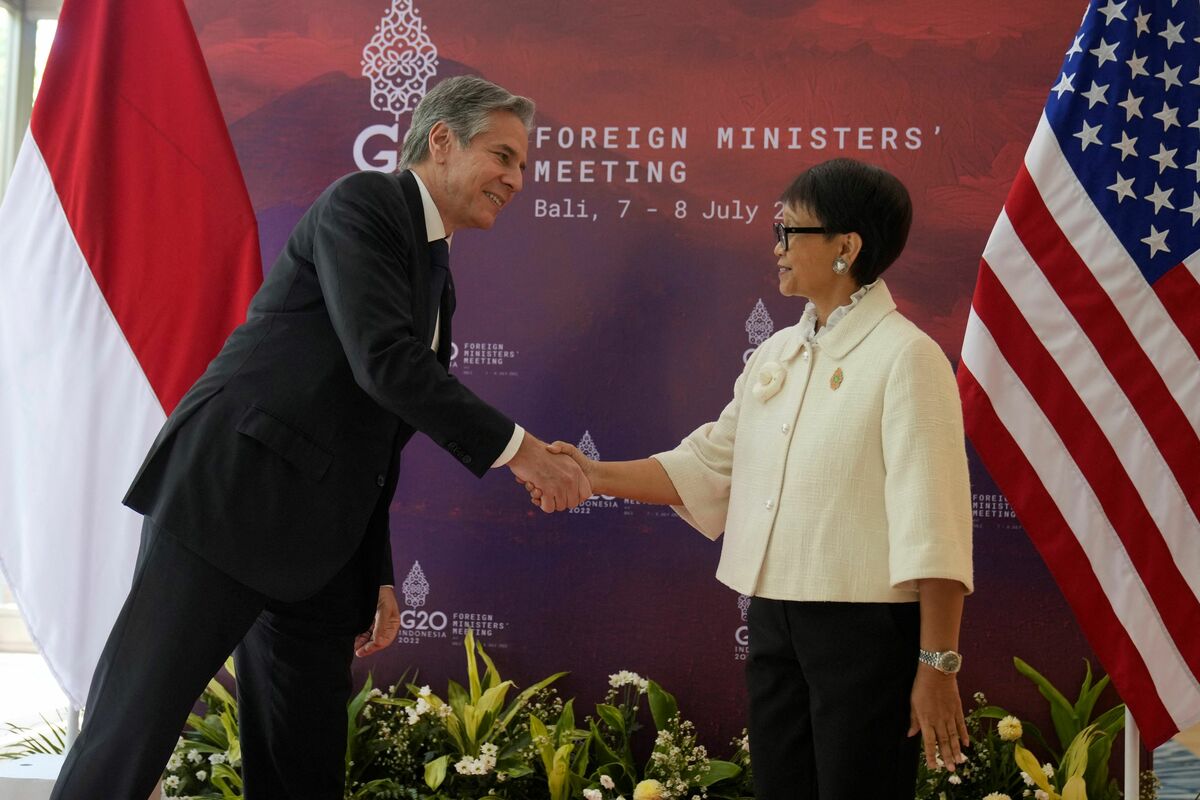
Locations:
{"points": [[782, 231]]}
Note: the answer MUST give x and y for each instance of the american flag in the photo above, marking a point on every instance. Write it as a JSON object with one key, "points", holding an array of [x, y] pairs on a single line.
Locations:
{"points": [[1079, 373]]}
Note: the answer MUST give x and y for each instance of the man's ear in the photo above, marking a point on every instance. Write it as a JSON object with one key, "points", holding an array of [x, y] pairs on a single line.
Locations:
{"points": [[441, 140]]}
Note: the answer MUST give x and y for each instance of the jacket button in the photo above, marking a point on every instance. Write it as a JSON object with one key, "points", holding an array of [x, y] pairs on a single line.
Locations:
{"points": [[380, 480], [769, 504], [784, 428], [467, 459]]}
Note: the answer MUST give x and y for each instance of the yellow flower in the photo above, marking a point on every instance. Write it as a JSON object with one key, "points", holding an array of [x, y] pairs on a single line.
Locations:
{"points": [[648, 790], [1010, 729]]}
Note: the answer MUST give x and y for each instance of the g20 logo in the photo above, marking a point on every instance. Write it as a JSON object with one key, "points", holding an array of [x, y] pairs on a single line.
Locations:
{"points": [[415, 620]]}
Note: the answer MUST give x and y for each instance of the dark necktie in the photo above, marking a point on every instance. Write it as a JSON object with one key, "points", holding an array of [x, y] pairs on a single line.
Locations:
{"points": [[439, 273]]}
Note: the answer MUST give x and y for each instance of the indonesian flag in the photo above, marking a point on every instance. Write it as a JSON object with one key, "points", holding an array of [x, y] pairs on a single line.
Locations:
{"points": [[128, 252]]}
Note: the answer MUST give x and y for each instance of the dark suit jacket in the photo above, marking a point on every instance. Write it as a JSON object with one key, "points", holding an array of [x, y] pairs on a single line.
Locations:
{"points": [[273, 463]]}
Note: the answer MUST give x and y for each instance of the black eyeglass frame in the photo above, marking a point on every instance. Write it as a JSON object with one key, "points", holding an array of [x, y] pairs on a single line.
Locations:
{"points": [[782, 231]]}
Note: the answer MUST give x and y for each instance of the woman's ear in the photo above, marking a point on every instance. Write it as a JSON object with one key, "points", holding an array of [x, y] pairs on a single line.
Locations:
{"points": [[851, 247]]}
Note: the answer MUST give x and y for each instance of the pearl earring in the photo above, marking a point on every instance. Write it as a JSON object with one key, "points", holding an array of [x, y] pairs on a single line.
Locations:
{"points": [[840, 266]]}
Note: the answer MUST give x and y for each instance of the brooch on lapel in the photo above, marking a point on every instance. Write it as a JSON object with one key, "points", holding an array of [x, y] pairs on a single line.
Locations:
{"points": [[770, 380], [835, 382]]}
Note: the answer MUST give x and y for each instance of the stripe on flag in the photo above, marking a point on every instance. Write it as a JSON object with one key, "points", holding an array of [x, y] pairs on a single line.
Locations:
{"points": [[128, 251], [1079, 367]]}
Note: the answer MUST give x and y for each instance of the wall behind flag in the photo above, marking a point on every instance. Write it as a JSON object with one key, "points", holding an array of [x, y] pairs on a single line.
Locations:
{"points": [[614, 303]]}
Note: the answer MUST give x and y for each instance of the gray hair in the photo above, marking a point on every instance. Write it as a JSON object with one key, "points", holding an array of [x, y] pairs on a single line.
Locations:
{"points": [[464, 103]]}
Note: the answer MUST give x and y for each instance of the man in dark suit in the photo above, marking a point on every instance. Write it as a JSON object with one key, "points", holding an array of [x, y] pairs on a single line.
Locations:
{"points": [[266, 493]]}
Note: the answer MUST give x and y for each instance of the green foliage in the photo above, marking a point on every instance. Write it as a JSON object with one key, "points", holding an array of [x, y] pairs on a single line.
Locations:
{"points": [[33, 741]]}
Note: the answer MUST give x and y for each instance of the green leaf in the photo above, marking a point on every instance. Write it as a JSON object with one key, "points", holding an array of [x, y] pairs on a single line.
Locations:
{"points": [[1031, 767], [613, 718], [524, 697], [1062, 712], [719, 771], [1112, 721], [566, 721], [493, 699], [492, 675], [456, 696], [1074, 789], [603, 752], [435, 772], [218, 690], [472, 667], [582, 757], [993, 712], [662, 705]]}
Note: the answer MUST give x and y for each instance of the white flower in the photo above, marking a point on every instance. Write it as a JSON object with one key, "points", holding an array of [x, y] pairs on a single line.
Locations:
{"points": [[425, 691], [1049, 770], [770, 381], [201, 774], [1041, 794], [218, 758], [627, 678], [175, 762], [997, 796], [478, 766], [195, 757], [606, 782], [592, 794], [1009, 728], [1028, 780], [954, 779], [171, 782]]}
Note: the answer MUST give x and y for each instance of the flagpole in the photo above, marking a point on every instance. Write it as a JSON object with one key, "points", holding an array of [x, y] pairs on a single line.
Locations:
{"points": [[72, 725], [1133, 749]]}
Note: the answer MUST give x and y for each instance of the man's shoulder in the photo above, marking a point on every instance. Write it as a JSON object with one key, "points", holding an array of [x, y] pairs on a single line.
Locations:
{"points": [[369, 183]]}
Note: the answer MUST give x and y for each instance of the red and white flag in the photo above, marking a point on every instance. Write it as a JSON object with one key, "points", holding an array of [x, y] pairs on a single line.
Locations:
{"points": [[128, 252], [1080, 373]]}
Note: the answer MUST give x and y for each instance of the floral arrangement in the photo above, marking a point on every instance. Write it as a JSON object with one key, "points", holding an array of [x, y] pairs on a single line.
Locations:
{"points": [[1000, 766], [409, 742]]}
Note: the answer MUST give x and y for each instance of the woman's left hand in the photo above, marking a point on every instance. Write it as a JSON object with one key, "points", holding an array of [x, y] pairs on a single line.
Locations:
{"points": [[936, 711]]}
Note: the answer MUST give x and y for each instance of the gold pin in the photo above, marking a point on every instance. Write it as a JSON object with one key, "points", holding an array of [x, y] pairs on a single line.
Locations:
{"points": [[836, 381]]}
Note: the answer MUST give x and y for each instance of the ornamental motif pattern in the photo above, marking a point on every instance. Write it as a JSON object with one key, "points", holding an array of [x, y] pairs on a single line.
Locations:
{"points": [[759, 325], [415, 586], [400, 59], [588, 447], [744, 605]]}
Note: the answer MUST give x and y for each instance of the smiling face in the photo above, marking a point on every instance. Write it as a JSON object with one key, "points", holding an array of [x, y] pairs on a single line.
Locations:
{"points": [[471, 184], [806, 267]]}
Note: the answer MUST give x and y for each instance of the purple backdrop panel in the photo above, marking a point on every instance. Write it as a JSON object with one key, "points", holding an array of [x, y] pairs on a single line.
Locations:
{"points": [[614, 303]]}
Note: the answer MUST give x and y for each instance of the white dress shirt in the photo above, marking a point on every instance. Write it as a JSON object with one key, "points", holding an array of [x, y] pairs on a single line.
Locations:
{"points": [[436, 229]]}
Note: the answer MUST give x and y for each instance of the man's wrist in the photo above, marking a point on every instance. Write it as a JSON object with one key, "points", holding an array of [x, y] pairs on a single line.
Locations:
{"points": [[514, 444]]}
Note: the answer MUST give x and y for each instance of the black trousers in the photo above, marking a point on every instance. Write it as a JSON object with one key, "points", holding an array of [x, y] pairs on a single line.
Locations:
{"points": [[179, 623], [829, 687]]}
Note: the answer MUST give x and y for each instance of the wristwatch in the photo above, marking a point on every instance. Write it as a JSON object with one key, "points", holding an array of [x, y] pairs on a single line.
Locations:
{"points": [[946, 662]]}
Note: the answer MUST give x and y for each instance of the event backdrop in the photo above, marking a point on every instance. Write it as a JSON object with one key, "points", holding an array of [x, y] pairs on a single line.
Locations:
{"points": [[614, 302]]}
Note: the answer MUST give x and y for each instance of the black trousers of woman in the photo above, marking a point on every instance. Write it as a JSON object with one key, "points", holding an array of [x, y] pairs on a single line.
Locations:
{"points": [[179, 623], [829, 687]]}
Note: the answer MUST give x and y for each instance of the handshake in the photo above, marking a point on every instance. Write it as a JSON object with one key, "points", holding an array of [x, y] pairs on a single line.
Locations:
{"points": [[557, 476]]}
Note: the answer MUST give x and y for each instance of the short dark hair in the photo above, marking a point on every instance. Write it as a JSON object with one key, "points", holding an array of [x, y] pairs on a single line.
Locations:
{"points": [[848, 196]]}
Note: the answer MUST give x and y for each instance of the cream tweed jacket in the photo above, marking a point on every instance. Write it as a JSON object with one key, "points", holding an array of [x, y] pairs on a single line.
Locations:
{"points": [[843, 477]]}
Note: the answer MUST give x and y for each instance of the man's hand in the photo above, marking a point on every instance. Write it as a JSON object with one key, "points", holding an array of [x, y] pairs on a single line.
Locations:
{"points": [[384, 629], [560, 480]]}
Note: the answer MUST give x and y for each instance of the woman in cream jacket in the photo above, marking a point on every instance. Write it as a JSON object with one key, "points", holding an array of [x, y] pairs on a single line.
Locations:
{"points": [[838, 476]]}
